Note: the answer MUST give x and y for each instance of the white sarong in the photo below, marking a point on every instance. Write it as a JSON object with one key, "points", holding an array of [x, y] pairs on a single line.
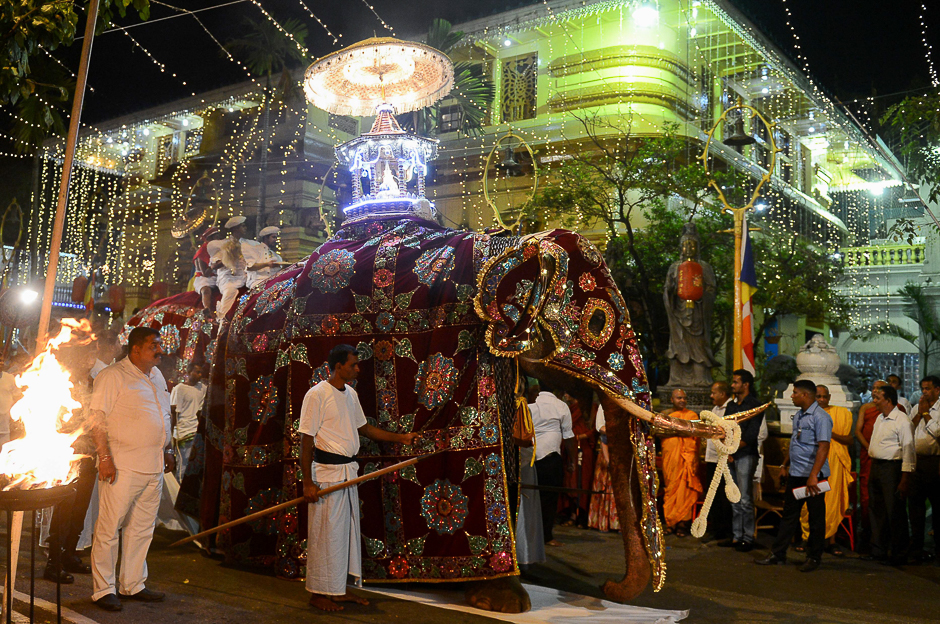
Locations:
{"points": [[333, 542]]}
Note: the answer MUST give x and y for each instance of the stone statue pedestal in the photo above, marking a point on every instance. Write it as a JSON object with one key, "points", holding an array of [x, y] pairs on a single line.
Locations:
{"points": [[818, 362]]}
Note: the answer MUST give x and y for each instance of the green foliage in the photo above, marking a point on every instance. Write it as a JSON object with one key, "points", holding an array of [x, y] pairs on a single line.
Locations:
{"points": [[472, 91], [28, 79], [915, 121], [919, 308], [265, 49], [631, 185]]}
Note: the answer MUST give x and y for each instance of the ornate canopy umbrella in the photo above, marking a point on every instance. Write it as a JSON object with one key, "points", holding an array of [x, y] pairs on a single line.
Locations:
{"points": [[381, 70]]}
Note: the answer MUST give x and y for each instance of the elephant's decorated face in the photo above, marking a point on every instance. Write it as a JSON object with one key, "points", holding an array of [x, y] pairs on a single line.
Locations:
{"points": [[553, 299]]}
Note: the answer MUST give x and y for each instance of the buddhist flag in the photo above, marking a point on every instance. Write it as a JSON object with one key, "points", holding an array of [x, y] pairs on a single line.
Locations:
{"points": [[748, 288]]}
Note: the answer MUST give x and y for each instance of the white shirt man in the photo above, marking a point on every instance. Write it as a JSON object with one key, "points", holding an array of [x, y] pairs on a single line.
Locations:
{"points": [[131, 408], [893, 440], [227, 259], [551, 420], [927, 432], [260, 259], [187, 400]]}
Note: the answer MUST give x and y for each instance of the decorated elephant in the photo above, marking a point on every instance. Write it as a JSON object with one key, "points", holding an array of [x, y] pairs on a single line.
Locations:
{"points": [[438, 317]]}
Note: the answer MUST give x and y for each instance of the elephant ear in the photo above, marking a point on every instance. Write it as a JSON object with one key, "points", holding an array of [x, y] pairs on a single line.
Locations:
{"points": [[553, 298], [520, 295]]}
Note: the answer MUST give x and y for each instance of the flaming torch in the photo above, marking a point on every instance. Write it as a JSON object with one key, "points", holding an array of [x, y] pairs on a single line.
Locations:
{"points": [[43, 457], [35, 469]]}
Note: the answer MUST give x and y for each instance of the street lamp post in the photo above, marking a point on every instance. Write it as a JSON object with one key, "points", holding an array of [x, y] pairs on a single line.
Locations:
{"points": [[740, 139]]}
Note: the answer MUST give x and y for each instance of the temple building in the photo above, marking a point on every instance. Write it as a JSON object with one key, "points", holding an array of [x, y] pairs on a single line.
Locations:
{"points": [[629, 67]]}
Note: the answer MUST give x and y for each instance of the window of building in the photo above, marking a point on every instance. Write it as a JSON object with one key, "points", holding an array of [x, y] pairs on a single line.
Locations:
{"points": [[451, 118], [518, 87]]}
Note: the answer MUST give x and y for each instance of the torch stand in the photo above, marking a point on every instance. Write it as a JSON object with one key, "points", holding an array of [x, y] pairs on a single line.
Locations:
{"points": [[15, 503]]}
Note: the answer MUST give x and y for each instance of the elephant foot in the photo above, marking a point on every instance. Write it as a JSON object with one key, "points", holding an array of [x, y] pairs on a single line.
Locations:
{"points": [[503, 595], [628, 588]]}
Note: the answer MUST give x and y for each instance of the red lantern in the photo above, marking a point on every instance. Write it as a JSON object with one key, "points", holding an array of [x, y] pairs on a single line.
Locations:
{"points": [[79, 288], [117, 296], [691, 282], [158, 291]]}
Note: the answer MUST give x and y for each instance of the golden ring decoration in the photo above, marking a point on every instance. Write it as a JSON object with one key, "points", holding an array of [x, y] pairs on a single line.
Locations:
{"points": [[770, 169], [326, 222], [19, 235], [186, 223], [486, 171]]}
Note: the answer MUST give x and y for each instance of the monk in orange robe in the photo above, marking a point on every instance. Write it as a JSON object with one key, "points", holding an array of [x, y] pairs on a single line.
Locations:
{"points": [[680, 471]]}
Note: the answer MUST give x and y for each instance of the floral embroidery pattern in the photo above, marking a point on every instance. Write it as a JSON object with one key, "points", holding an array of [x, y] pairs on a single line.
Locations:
{"points": [[587, 283], [385, 321], [434, 265], [444, 507], [597, 323], [171, 338], [384, 278], [260, 343], [384, 350], [332, 270], [436, 379], [273, 297], [590, 252], [616, 361], [501, 561], [330, 325], [398, 567], [486, 387]]}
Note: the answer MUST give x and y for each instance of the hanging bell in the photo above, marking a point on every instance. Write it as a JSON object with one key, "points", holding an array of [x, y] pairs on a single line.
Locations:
{"points": [[739, 138], [509, 163]]}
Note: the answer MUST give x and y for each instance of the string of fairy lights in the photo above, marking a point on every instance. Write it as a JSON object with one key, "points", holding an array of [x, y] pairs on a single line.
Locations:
{"points": [[715, 60], [928, 48]]}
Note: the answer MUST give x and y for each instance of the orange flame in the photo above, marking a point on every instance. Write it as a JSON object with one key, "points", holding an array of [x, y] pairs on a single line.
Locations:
{"points": [[44, 457]]}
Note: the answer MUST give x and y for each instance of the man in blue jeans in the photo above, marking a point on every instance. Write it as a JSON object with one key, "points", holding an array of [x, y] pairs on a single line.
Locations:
{"points": [[808, 464], [744, 461]]}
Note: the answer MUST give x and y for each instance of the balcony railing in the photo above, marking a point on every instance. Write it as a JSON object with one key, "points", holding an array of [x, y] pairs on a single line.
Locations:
{"points": [[883, 255]]}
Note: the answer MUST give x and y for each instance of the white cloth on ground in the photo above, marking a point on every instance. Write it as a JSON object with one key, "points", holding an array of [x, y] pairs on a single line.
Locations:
{"points": [[530, 540], [130, 505], [188, 401], [136, 411], [551, 420]]}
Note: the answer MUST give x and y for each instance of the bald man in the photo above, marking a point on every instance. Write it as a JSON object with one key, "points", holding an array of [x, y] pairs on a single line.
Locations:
{"points": [[680, 471]]}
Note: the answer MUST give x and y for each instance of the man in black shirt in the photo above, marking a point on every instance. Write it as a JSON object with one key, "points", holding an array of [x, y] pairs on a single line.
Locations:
{"points": [[744, 461]]}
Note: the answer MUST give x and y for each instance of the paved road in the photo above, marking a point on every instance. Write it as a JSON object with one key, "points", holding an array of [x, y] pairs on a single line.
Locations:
{"points": [[717, 585]]}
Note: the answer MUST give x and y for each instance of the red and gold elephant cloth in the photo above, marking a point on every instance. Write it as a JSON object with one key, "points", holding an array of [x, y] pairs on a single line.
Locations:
{"points": [[434, 313]]}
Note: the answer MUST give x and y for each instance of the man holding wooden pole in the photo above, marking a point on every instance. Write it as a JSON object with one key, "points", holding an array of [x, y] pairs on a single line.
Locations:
{"points": [[331, 421]]}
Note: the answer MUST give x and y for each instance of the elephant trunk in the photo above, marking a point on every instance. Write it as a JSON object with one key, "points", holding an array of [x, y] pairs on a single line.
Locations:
{"points": [[677, 426]]}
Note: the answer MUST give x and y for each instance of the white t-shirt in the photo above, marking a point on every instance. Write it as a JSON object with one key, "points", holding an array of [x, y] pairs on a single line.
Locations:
{"points": [[551, 419], [96, 368], [256, 252], [136, 411], [7, 392], [332, 418], [187, 400]]}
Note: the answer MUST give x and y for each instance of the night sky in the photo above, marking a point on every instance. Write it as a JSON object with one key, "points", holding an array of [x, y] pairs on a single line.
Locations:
{"points": [[855, 48]]}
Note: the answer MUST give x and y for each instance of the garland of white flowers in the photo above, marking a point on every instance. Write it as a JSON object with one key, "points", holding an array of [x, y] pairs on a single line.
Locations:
{"points": [[725, 447]]}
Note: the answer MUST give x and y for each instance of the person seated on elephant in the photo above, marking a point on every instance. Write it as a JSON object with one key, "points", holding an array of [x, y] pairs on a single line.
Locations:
{"points": [[680, 471], [331, 421], [551, 419], [229, 263], [260, 258]]}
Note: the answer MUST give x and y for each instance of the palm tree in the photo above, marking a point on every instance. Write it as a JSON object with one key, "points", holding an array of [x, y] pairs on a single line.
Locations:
{"points": [[268, 51], [473, 91], [919, 308]]}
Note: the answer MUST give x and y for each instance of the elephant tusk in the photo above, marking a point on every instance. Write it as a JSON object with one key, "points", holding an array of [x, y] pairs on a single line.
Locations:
{"points": [[667, 424], [751, 413]]}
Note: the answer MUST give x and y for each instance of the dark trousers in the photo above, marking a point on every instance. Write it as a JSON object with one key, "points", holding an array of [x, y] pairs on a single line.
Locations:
{"points": [[719, 517], [888, 510], [926, 488], [68, 519], [790, 522], [550, 471]]}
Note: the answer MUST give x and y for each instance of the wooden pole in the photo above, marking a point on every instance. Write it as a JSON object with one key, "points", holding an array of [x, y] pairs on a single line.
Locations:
{"points": [[300, 499], [738, 358], [71, 142]]}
